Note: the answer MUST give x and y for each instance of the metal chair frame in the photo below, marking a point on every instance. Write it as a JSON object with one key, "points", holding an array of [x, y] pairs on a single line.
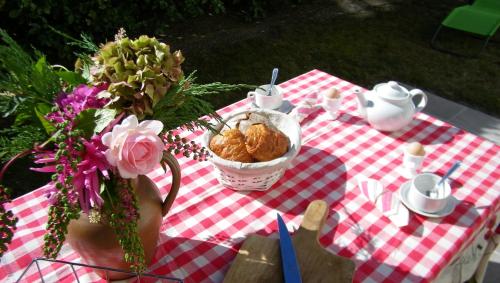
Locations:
{"points": [[433, 44]]}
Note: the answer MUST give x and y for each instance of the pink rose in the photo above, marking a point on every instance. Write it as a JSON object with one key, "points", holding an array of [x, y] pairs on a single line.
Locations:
{"points": [[134, 148]]}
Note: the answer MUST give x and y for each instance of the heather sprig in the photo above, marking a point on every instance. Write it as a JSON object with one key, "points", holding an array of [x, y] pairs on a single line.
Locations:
{"points": [[177, 145], [7, 220], [61, 212], [123, 217], [62, 197]]}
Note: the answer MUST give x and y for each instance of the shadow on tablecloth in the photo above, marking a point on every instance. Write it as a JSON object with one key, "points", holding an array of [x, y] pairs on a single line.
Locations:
{"points": [[426, 133], [315, 174], [193, 260]]}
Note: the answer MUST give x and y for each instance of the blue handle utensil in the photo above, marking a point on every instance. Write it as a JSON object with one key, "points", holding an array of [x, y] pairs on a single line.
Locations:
{"points": [[291, 271], [439, 184], [450, 171], [274, 76]]}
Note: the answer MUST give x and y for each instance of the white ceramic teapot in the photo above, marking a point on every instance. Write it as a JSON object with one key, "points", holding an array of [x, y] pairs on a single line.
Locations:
{"points": [[389, 106]]}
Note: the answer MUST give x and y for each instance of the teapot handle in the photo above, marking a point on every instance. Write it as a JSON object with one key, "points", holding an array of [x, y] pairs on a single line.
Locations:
{"points": [[176, 182], [423, 101]]}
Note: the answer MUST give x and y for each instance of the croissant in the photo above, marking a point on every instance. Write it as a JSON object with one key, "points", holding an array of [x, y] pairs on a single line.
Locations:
{"points": [[230, 145], [264, 143]]}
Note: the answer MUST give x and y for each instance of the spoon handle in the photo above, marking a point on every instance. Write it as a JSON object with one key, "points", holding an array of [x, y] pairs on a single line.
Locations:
{"points": [[452, 169], [274, 76]]}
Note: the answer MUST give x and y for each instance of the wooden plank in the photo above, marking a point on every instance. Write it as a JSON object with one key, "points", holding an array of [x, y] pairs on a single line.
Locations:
{"points": [[258, 259]]}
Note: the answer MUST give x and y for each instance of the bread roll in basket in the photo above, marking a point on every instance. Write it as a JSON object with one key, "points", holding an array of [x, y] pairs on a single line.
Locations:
{"points": [[258, 175]]}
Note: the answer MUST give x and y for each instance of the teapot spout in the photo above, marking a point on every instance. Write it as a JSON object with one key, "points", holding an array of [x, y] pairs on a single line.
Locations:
{"points": [[362, 103]]}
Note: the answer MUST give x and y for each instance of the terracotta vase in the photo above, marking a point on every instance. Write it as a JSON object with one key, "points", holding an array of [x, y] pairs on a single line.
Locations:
{"points": [[97, 243]]}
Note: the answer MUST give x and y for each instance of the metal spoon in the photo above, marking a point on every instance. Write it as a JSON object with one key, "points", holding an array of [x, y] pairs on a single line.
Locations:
{"points": [[273, 80], [443, 179]]}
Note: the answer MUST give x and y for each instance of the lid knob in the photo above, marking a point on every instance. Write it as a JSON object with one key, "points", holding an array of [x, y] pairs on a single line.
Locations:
{"points": [[394, 85], [391, 90]]}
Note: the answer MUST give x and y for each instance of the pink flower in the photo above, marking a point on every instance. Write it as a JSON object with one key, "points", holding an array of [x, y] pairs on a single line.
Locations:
{"points": [[81, 98], [134, 148], [86, 178]]}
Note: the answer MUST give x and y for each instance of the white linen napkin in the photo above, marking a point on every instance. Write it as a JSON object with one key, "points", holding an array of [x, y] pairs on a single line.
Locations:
{"points": [[309, 104], [384, 200]]}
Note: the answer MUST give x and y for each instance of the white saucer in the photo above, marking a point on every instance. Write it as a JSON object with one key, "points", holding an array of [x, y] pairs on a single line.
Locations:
{"points": [[403, 196], [285, 107]]}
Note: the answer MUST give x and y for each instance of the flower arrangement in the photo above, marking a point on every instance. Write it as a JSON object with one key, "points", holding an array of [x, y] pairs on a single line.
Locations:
{"points": [[110, 121]]}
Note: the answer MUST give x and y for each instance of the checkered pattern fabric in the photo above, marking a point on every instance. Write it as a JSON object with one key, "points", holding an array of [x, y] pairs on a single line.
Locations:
{"points": [[203, 231]]}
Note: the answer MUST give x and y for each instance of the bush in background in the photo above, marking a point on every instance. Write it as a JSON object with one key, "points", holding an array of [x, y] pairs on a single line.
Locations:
{"points": [[28, 21]]}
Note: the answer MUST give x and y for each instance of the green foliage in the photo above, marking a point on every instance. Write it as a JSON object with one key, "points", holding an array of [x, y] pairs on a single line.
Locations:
{"points": [[86, 122], [258, 8], [9, 103], [86, 43], [27, 85], [30, 20], [194, 8], [16, 139], [92, 121], [24, 76], [71, 78], [103, 118], [85, 46], [183, 104], [41, 110]]}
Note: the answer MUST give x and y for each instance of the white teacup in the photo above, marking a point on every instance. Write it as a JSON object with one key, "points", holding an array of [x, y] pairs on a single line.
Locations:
{"points": [[260, 98], [423, 196]]}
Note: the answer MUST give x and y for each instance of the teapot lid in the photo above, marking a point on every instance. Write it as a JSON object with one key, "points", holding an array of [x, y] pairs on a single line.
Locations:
{"points": [[391, 90]]}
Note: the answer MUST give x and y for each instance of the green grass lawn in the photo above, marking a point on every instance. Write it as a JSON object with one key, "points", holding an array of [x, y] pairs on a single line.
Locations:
{"points": [[367, 46]]}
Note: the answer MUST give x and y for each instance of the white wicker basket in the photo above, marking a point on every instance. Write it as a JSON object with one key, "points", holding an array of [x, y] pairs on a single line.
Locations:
{"points": [[259, 175]]}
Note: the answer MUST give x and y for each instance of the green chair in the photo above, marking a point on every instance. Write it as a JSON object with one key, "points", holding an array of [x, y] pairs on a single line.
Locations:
{"points": [[481, 18]]}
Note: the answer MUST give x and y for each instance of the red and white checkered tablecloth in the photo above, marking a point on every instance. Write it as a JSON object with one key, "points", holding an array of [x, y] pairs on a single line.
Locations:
{"points": [[201, 234]]}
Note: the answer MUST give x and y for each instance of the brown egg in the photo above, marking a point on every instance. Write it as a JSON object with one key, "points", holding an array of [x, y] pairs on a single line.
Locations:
{"points": [[332, 93], [416, 148]]}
